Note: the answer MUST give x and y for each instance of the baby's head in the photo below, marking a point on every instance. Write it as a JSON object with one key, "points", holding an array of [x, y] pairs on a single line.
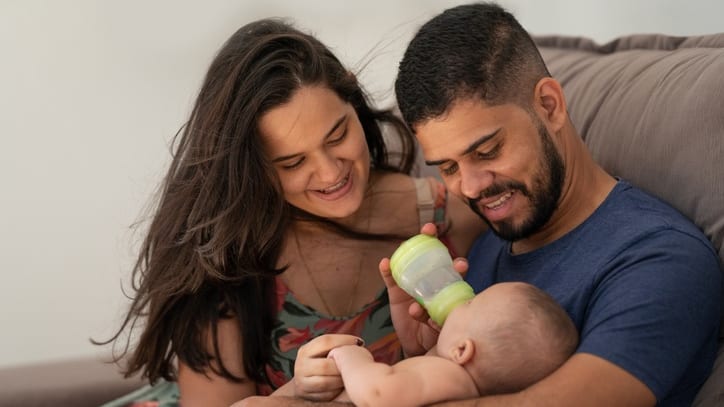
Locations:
{"points": [[508, 337]]}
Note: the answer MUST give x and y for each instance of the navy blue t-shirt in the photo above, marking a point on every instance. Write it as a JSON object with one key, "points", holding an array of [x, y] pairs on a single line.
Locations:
{"points": [[641, 282]]}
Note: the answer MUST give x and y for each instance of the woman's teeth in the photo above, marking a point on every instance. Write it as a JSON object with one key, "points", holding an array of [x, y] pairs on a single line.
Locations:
{"points": [[499, 202], [335, 187]]}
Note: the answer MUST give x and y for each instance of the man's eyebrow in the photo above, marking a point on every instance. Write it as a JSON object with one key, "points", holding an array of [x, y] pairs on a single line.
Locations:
{"points": [[477, 143], [334, 127]]}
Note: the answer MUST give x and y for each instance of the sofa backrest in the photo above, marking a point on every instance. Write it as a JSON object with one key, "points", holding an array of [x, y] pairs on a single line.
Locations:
{"points": [[649, 109]]}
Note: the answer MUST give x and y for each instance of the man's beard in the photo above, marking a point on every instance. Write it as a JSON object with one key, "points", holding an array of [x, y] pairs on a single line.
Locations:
{"points": [[547, 186]]}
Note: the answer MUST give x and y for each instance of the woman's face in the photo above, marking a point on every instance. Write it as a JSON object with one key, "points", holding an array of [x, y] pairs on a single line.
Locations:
{"points": [[318, 148]]}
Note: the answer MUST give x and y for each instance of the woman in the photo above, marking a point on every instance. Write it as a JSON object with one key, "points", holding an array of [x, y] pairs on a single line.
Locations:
{"points": [[280, 201]]}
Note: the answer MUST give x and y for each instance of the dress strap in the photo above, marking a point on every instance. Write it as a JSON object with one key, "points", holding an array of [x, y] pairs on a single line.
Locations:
{"points": [[425, 201]]}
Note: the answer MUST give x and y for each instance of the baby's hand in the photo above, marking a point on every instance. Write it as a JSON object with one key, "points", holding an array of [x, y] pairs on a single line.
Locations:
{"points": [[316, 377], [350, 354]]}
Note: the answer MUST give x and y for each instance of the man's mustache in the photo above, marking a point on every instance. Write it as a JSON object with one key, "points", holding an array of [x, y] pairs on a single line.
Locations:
{"points": [[497, 189]]}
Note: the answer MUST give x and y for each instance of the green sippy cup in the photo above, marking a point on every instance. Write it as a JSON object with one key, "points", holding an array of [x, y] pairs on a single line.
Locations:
{"points": [[423, 268]]}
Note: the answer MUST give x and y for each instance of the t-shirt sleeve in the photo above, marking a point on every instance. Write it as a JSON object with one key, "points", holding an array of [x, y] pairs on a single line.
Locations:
{"points": [[482, 261], [656, 309]]}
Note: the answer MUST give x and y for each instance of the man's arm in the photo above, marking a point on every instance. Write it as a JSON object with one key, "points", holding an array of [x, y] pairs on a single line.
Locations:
{"points": [[584, 380], [412, 382], [415, 334], [284, 401]]}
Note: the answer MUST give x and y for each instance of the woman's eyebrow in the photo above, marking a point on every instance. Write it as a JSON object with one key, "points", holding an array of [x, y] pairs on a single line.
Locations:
{"points": [[336, 125], [331, 131]]}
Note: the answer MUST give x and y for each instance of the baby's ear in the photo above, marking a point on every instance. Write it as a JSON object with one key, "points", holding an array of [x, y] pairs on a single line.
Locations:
{"points": [[463, 351]]}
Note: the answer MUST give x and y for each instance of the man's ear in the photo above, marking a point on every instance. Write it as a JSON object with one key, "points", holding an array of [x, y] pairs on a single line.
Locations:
{"points": [[463, 351], [550, 103]]}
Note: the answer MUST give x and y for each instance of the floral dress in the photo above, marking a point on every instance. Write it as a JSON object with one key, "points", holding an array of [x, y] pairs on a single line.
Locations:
{"points": [[297, 323]]}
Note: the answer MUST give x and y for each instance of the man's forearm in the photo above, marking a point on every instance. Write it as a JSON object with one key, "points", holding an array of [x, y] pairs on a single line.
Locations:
{"points": [[584, 379], [504, 400], [285, 401]]}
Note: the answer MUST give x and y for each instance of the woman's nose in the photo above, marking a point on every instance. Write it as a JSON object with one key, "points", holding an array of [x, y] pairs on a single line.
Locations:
{"points": [[327, 167]]}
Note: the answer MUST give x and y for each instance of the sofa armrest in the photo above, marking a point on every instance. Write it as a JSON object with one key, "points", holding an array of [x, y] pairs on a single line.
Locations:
{"points": [[75, 382]]}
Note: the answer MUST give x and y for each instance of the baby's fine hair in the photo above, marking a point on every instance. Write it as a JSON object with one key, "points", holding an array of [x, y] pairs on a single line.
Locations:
{"points": [[528, 341]]}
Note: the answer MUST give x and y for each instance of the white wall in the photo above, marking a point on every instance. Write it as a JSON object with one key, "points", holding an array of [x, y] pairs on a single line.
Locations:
{"points": [[91, 93]]}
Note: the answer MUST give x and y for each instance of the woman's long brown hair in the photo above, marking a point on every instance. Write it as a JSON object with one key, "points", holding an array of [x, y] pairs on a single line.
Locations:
{"points": [[213, 245]]}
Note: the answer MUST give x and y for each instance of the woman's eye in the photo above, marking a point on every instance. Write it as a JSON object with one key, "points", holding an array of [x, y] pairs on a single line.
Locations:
{"points": [[293, 165], [338, 139]]}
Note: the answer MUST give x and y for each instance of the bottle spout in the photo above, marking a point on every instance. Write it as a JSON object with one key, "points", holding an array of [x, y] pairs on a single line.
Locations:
{"points": [[440, 306]]}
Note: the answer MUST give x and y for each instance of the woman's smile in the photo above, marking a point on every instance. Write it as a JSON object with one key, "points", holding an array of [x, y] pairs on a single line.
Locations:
{"points": [[336, 191]]}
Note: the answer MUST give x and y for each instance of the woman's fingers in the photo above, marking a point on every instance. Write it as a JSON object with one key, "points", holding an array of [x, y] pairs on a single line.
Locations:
{"points": [[316, 377], [318, 385], [316, 367], [321, 345]]}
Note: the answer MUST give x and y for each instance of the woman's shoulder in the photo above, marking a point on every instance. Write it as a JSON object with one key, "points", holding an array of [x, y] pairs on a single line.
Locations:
{"points": [[401, 201], [393, 203], [403, 183], [390, 181]]}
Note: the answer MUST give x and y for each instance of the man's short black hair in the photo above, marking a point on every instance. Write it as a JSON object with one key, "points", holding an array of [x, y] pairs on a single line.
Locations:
{"points": [[470, 51]]}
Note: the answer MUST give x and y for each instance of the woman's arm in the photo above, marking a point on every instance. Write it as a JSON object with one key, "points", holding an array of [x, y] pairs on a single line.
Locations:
{"points": [[209, 389], [317, 377]]}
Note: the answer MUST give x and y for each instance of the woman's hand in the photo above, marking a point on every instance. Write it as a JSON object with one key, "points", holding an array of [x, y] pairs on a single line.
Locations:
{"points": [[416, 331], [316, 377]]}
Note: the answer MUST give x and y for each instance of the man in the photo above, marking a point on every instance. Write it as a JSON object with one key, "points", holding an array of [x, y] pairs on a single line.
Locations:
{"points": [[641, 282]]}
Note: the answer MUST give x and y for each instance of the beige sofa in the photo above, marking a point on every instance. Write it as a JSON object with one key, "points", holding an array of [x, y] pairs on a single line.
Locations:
{"points": [[648, 107], [82, 382]]}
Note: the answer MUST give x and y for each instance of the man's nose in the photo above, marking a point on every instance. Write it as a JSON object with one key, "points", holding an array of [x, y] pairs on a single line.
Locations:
{"points": [[474, 180]]}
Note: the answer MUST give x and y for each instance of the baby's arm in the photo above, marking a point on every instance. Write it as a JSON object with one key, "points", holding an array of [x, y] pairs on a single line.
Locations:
{"points": [[412, 382]]}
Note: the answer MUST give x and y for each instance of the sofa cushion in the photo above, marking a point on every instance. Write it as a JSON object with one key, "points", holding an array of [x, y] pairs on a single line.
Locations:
{"points": [[82, 382], [649, 109]]}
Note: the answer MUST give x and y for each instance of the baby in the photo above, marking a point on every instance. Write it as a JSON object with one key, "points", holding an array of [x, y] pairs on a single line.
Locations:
{"points": [[505, 339]]}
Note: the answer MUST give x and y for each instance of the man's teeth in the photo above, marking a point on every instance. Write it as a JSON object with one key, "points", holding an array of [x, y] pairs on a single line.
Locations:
{"points": [[335, 187], [500, 201]]}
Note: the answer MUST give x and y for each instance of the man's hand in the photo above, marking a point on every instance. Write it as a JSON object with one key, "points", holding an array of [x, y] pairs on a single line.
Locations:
{"points": [[408, 317], [416, 331]]}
